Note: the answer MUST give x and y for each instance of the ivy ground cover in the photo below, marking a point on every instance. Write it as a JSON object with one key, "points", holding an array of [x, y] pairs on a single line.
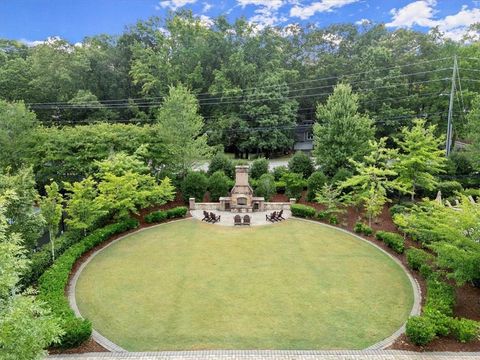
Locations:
{"points": [[188, 285]]}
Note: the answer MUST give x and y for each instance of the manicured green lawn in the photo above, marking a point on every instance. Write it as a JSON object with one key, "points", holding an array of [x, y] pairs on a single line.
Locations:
{"points": [[294, 285]]}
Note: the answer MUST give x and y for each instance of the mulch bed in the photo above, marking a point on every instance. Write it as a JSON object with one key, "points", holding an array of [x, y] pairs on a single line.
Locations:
{"points": [[468, 297]]}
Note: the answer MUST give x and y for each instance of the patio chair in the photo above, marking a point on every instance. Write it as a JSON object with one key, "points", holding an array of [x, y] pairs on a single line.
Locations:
{"points": [[214, 217], [279, 216], [206, 216], [271, 217], [237, 220], [246, 220]]}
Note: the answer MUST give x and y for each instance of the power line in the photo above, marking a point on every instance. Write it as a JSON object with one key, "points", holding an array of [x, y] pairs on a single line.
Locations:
{"points": [[267, 86]]}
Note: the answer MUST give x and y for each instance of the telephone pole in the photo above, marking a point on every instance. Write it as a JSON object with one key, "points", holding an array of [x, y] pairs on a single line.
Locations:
{"points": [[448, 147]]}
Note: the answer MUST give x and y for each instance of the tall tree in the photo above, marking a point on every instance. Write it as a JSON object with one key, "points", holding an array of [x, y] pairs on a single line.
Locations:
{"points": [[341, 133], [181, 130], [51, 206], [473, 119], [421, 159]]}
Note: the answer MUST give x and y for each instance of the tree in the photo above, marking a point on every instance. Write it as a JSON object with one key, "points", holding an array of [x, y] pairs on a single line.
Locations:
{"points": [[331, 197], [218, 185], [82, 209], [300, 163], [374, 178], [221, 162], [340, 133], [26, 326], [24, 219], [17, 124], [473, 119], [266, 186], [194, 185], [51, 206], [293, 185], [314, 183], [258, 168], [421, 158], [180, 128]]}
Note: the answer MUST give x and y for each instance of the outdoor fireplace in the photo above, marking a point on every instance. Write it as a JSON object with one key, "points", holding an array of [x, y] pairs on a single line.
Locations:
{"points": [[241, 197]]}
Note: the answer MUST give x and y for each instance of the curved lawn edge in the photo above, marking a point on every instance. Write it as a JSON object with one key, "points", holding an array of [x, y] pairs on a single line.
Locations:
{"points": [[111, 346], [417, 293]]}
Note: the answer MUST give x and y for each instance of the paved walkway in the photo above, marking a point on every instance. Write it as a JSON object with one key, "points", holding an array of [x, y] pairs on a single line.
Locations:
{"points": [[271, 355], [226, 217]]}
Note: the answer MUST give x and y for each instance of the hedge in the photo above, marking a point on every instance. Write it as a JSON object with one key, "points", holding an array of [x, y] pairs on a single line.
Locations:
{"points": [[465, 329], [418, 257], [51, 285], [420, 330], [162, 215], [42, 259], [440, 296], [392, 240], [302, 211]]}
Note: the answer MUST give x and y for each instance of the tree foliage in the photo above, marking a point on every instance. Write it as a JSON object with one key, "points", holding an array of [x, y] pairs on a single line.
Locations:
{"points": [[341, 133]]}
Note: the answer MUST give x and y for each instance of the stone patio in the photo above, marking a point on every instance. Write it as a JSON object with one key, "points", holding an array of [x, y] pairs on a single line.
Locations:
{"points": [[226, 219]]}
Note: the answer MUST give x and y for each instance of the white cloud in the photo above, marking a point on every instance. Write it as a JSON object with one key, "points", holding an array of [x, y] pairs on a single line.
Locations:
{"points": [[206, 7], [305, 12], [363, 22], [422, 13], [32, 43], [269, 4], [206, 21], [416, 13], [174, 4]]}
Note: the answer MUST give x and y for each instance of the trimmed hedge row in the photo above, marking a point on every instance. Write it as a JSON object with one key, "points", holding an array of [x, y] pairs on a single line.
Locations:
{"points": [[437, 317], [302, 211], [51, 285], [392, 240], [162, 215]]}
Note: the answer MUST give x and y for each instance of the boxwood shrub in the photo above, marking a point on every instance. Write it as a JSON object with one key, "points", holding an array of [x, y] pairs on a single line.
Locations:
{"points": [[162, 215], [303, 211], [420, 330], [392, 240], [418, 257], [362, 228], [465, 330], [51, 285], [440, 296]]}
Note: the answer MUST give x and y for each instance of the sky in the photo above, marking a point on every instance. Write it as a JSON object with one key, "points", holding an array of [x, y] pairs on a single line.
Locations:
{"points": [[32, 21]]}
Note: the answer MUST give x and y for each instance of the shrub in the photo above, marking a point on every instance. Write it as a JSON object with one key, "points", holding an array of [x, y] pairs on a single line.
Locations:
{"points": [[333, 220], [162, 215], [258, 168], [461, 163], [194, 186], [475, 193], [51, 285], [218, 185], [293, 185], [221, 162], [322, 215], [441, 322], [266, 186], [362, 228], [279, 171], [301, 163], [280, 185], [314, 184], [302, 211], [420, 330], [440, 296], [448, 188], [399, 209], [392, 240], [341, 175], [426, 271], [465, 330], [418, 257]]}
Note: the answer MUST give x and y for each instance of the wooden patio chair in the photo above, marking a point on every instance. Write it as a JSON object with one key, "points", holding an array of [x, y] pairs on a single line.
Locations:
{"points": [[237, 220], [279, 216], [206, 216], [214, 217], [271, 217]]}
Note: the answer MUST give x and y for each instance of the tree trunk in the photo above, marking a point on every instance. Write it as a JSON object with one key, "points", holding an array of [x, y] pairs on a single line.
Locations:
{"points": [[52, 245]]}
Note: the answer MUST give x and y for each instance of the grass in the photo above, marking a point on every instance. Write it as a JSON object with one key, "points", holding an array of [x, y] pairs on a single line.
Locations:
{"points": [[294, 285]]}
